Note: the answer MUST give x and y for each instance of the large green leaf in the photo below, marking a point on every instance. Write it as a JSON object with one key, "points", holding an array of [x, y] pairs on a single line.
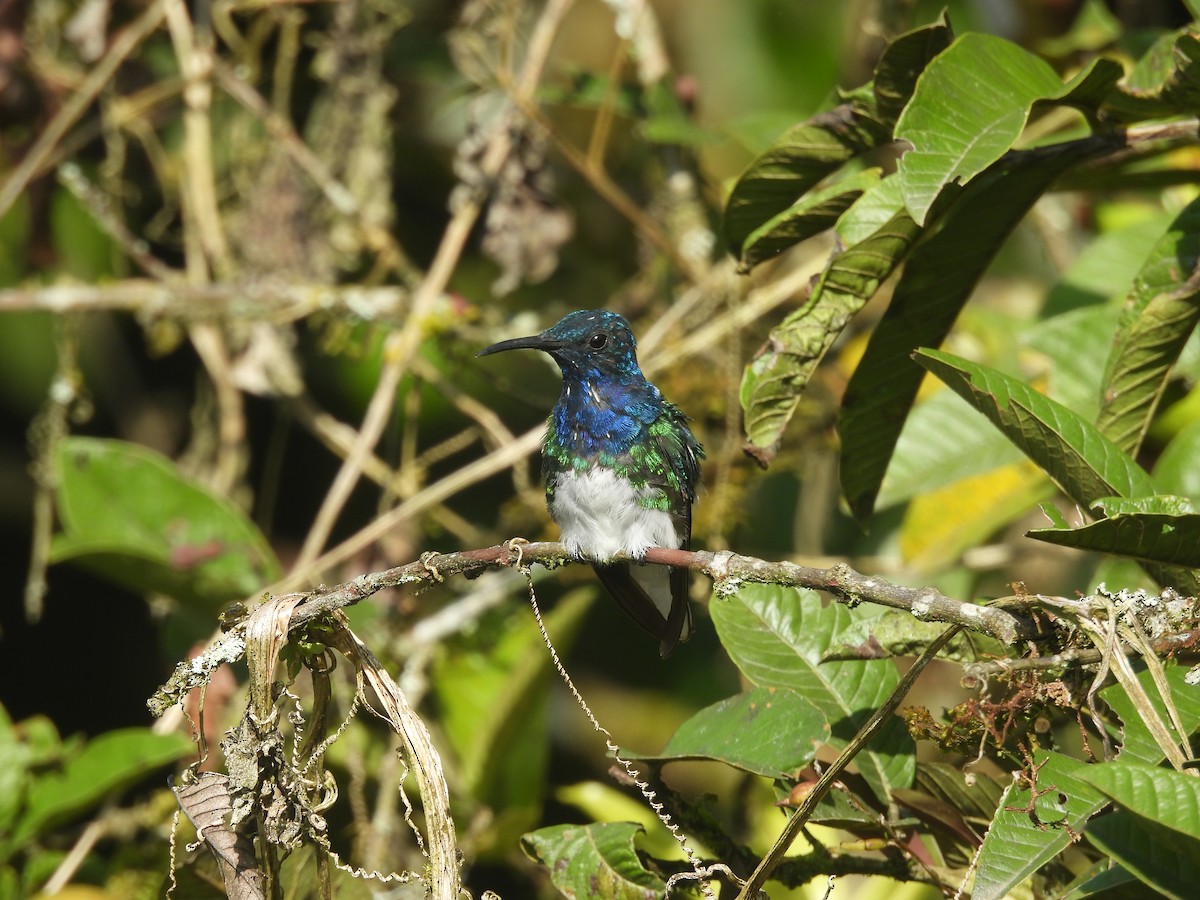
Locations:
{"points": [[1084, 463], [1029, 831], [1158, 538], [106, 765], [768, 731], [810, 151], [1137, 743], [598, 860], [1161, 857], [970, 106], [1161, 313], [1156, 833], [778, 637], [775, 378], [128, 514], [1170, 798], [940, 272]]}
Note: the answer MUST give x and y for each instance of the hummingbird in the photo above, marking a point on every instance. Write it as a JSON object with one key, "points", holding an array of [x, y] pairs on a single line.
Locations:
{"points": [[620, 466]]}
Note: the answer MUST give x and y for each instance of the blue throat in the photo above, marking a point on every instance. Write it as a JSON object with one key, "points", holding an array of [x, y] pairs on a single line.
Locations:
{"points": [[602, 413]]}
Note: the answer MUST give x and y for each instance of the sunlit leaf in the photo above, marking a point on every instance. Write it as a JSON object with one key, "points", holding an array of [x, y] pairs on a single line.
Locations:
{"points": [[1028, 831], [597, 860], [768, 731], [1084, 463], [1172, 540], [970, 106], [778, 637], [940, 272]]}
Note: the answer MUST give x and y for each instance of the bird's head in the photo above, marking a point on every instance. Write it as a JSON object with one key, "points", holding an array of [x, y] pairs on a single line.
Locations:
{"points": [[585, 343]]}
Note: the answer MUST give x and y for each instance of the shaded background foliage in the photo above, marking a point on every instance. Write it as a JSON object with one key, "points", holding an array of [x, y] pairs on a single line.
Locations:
{"points": [[390, 99]]}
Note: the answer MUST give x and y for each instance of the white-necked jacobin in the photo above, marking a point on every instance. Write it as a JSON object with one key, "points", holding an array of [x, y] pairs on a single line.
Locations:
{"points": [[621, 467]]}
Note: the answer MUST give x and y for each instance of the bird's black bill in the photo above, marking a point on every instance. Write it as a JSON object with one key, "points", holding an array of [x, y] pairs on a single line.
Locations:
{"points": [[533, 342]]}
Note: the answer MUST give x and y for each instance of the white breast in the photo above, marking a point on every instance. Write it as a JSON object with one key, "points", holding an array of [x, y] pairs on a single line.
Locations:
{"points": [[600, 516]]}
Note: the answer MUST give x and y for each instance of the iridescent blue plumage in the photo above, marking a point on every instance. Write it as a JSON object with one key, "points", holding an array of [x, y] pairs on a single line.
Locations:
{"points": [[621, 467]]}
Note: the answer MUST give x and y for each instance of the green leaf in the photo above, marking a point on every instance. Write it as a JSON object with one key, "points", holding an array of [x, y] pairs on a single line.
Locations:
{"points": [[1164, 796], [871, 212], [778, 636], [1084, 463], [1160, 856], [813, 213], [897, 633], [775, 378], [1165, 81], [969, 108], [14, 762], [597, 860], [768, 731], [940, 446], [1176, 471], [940, 272], [1159, 504], [128, 514], [1137, 743], [106, 765], [1106, 268], [1161, 312], [794, 164], [902, 63], [1171, 540], [1028, 832]]}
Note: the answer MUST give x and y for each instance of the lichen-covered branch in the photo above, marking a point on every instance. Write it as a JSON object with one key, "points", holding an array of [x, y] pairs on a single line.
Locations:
{"points": [[726, 569]]}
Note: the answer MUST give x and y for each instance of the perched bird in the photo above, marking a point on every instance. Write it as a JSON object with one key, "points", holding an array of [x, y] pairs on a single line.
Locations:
{"points": [[621, 467]]}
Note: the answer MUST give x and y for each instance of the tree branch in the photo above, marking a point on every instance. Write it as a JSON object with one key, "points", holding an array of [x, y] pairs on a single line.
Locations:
{"points": [[726, 569]]}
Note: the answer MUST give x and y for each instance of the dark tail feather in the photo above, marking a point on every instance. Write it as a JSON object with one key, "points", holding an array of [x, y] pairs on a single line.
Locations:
{"points": [[679, 622], [618, 580]]}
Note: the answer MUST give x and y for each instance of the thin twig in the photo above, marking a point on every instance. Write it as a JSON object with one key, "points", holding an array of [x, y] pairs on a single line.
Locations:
{"points": [[725, 568], [400, 346], [126, 41], [273, 301], [750, 890]]}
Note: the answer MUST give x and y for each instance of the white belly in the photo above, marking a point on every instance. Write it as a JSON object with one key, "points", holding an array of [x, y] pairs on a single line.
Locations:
{"points": [[601, 516]]}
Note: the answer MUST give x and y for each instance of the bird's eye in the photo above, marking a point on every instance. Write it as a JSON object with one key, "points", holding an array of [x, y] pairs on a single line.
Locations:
{"points": [[598, 341]]}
